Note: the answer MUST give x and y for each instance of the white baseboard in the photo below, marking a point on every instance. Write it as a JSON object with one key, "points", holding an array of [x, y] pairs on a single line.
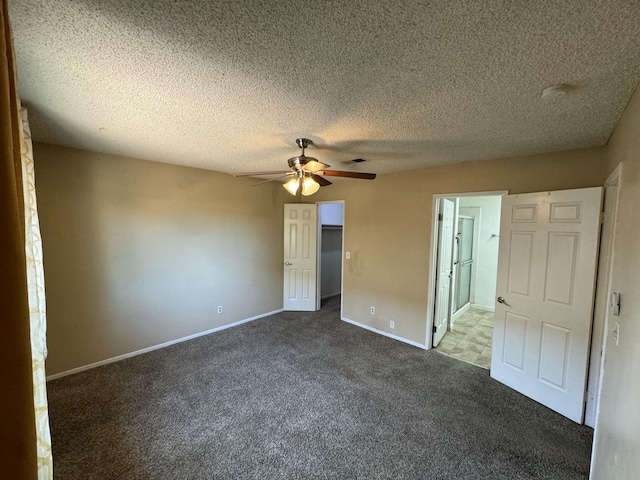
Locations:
{"points": [[330, 295], [486, 308], [157, 347], [382, 332], [458, 313]]}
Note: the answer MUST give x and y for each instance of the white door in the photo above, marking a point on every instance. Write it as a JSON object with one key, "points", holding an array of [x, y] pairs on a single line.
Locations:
{"points": [[443, 269], [300, 257], [546, 278]]}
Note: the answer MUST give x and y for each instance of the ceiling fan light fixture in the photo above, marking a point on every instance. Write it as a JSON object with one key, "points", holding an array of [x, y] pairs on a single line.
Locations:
{"points": [[309, 186], [307, 173], [292, 185]]}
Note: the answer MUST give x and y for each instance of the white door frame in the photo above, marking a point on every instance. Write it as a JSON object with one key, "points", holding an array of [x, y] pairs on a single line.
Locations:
{"points": [[319, 255], [600, 328], [431, 285]]}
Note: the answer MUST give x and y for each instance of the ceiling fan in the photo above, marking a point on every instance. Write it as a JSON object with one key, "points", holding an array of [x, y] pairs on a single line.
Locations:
{"points": [[306, 172]]}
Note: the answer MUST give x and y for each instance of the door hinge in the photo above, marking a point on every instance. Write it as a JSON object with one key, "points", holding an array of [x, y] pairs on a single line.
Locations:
{"points": [[440, 217], [603, 217], [435, 328]]}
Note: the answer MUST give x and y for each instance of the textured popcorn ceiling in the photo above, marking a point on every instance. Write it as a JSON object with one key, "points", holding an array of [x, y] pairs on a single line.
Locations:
{"points": [[230, 85]]}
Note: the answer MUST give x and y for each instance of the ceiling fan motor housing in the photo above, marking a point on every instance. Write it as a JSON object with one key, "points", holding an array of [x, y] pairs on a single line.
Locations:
{"points": [[298, 162]]}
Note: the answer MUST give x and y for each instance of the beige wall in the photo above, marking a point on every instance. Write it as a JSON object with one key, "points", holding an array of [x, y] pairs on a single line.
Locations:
{"points": [[138, 253], [388, 227], [617, 442]]}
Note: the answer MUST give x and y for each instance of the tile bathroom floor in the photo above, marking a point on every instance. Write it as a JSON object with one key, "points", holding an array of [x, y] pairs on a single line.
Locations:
{"points": [[470, 339]]}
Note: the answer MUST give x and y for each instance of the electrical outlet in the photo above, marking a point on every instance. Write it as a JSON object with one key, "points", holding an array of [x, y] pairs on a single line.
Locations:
{"points": [[392, 324], [219, 308], [373, 310]]}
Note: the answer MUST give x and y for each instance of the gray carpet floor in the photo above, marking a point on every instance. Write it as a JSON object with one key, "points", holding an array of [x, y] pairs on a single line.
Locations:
{"points": [[304, 395]]}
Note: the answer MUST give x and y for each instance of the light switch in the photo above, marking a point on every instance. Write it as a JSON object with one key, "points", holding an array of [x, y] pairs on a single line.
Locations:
{"points": [[348, 255], [615, 304]]}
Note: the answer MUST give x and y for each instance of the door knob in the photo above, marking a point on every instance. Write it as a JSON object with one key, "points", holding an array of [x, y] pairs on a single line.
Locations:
{"points": [[288, 263], [503, 301]]}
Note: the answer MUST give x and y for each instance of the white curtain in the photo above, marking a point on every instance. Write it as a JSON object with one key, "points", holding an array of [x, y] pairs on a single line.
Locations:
{"points": [[37, 308]]}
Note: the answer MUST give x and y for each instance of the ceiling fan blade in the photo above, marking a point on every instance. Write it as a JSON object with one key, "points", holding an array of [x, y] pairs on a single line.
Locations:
{"points": [[273, 179], [339, 173], [255, 174], [323, 182]]}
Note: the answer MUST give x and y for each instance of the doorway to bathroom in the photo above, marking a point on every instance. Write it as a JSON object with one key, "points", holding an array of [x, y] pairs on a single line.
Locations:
{"points": [[467, 257]]}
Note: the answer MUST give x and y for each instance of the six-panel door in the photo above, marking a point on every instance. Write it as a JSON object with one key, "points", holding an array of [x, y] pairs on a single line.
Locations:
{"points": [[300, 258], [546, 281]]}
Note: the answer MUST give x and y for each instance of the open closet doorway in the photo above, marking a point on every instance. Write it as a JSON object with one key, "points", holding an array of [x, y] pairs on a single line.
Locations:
{"points": [[465, 327], [330, 253]]}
